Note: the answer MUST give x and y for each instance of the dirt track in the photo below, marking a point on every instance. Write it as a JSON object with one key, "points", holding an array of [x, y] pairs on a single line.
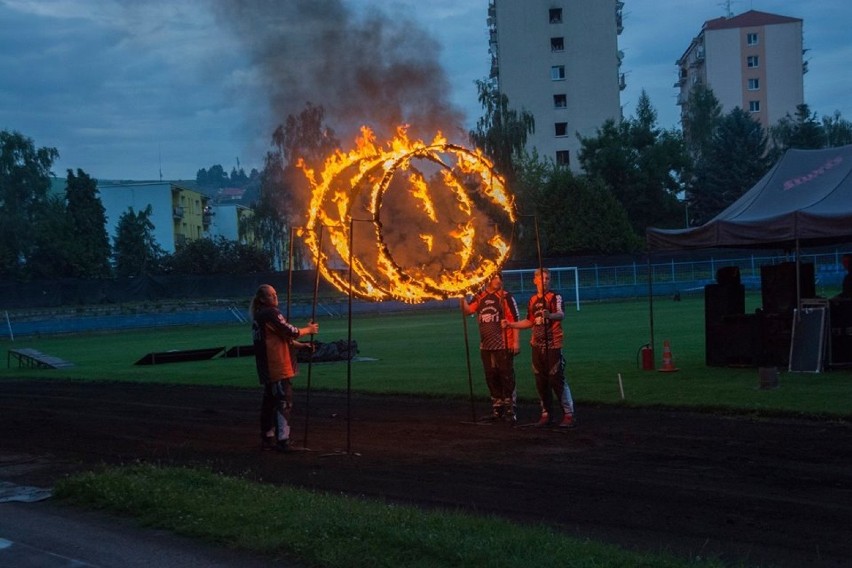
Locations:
{"points": [[764, 491]]}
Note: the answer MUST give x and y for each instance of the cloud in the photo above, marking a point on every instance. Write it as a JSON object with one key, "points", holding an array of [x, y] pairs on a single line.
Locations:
{"points": [[125, 88]]}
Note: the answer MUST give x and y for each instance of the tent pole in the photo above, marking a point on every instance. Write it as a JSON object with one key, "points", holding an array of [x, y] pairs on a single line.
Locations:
{"points": [[651, 300], [798, 282]]}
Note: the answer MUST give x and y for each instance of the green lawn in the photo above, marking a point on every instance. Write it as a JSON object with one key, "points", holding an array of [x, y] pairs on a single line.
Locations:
{"points": [[417, 353], [424, 353], [331, 531]]}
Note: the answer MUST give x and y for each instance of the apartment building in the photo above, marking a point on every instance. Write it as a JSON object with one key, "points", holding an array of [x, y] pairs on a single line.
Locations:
{"points": [[227, 220], [753, 61], [559, 61], [178, 213]]}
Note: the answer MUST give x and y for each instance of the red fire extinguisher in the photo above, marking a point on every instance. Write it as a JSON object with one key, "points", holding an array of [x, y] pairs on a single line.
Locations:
{"points": [[647, 355]]}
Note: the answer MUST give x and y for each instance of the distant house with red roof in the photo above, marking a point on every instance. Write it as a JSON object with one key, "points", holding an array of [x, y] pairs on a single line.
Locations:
{"points": [[754, 61], [230, 194]]}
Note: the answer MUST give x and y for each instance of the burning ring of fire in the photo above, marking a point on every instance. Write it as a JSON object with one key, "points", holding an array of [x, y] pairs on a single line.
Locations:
{"points": [[441, 218]]}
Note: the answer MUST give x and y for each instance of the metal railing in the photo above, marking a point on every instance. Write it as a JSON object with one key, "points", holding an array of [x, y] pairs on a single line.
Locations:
{"points": [[602, 282]]}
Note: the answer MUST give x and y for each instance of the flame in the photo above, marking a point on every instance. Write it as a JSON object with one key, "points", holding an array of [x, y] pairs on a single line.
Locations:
{"points": [[441, 218], [420, 191]]}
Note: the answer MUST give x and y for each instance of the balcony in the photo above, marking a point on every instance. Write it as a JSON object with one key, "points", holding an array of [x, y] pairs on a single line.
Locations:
{"points": [[177, 213], [619, 17]]}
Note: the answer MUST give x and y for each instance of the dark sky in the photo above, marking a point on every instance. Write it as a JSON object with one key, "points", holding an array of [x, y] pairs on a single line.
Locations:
{"points": [[126, 90]]}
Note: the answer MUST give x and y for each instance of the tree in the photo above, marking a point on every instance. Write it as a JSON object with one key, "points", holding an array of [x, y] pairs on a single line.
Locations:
{"points": [[838, 131], [135, 249], [283, 186], [238, 177], [801, 131], [579, 215], [704, 112], [531, 174], [643, 166], [87, 218], [214, 178], [217, 256], [736, 160], [199, 256], [501, 132], [305, 136], [249, 259], [24, 186], [53, 241]]}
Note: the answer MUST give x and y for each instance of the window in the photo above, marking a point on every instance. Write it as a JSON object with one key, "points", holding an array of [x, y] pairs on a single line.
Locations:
{"points": [[754, 106], [754, 84], [751, 39], [753, 61], [560, 101], [557, 73], [557, 44], [556, 15], [561, 128], [563, 158]]}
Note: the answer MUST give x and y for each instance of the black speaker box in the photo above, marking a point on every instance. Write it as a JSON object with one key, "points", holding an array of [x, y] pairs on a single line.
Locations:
{"points": [[774, 335], [733, 342], [841, 332], [721, 301], [725, 337], [728, 276], [778, 286]]}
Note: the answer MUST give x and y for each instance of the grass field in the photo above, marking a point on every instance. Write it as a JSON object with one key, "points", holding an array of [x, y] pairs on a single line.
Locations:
{"points": [[335, 532], [420, 353], [425, 353]]}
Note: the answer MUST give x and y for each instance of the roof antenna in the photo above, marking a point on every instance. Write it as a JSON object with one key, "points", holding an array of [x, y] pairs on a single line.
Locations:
{"points": [[160, 160], [727, 5]]}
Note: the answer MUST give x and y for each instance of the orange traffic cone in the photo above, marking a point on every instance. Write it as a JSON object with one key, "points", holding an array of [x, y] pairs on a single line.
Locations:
{"points": [[668, 365]]}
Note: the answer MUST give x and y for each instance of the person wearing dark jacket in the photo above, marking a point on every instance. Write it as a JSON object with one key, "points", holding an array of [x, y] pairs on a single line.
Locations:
{"points": [[275, 343]]}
